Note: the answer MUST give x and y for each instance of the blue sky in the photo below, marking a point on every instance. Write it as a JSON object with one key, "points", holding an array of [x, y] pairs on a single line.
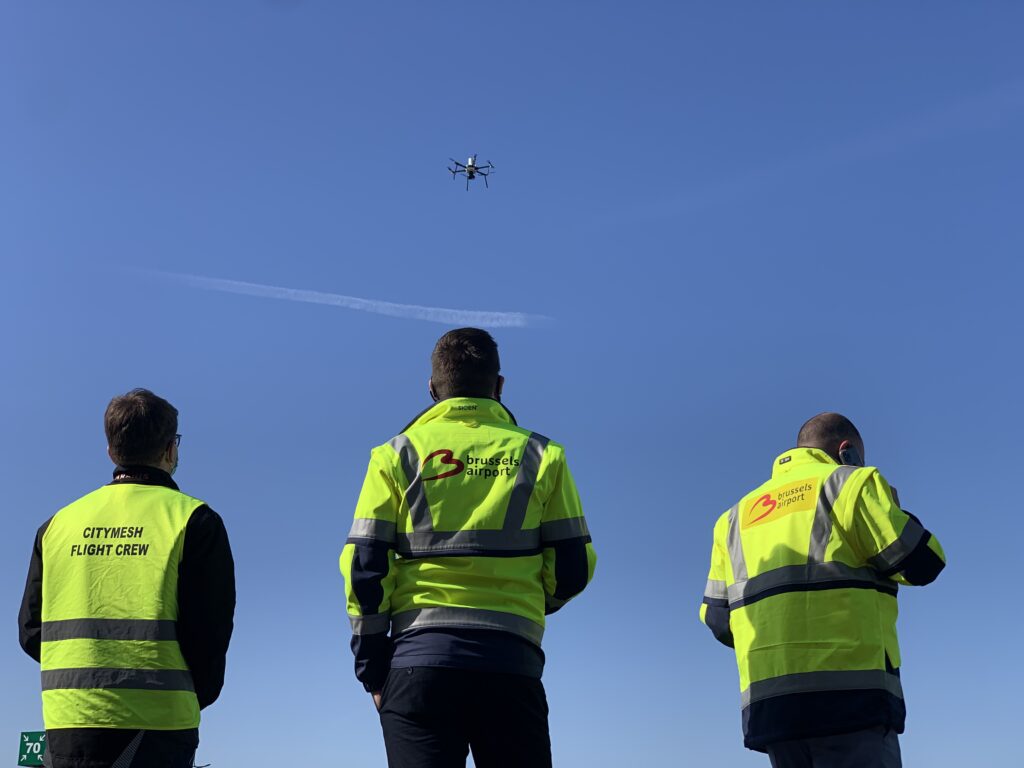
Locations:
{"points": [[736, 214]]}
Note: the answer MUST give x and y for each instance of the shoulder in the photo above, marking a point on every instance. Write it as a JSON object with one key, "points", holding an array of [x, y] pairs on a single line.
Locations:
{"points": [[866, 481], [722, 524], [204, 517]]}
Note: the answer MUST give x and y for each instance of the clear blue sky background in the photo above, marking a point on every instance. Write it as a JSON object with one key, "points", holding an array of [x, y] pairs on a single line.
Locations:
{"points": [[738, 215]]}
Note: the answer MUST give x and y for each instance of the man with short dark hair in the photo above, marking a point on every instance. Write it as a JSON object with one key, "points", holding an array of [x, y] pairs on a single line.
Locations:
{"points": [[129, 605], [468, 531], [803, 583]]}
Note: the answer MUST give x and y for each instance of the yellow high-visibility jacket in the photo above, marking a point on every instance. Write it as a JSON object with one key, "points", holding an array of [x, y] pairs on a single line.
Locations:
{"points": [[803, 583], [460, 524]]}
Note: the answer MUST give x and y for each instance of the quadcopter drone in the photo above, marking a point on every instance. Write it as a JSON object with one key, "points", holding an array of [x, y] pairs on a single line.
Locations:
{"points": [[472, 170]]}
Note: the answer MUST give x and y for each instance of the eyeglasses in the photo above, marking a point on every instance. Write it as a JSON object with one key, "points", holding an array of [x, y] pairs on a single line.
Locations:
{"points": [[177, 440]]}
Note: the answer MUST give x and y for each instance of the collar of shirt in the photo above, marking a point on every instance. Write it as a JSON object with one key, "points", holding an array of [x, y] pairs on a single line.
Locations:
{"points": [[796, 457], [465, 409], [142, 475]]}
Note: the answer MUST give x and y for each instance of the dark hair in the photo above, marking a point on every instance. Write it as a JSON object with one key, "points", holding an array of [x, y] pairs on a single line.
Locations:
{"points": [[139, 427], [465, 364], [827, 431]]}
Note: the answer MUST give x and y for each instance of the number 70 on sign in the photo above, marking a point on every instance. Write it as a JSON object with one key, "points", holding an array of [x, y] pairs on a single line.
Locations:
{"points": [[31, 748]]}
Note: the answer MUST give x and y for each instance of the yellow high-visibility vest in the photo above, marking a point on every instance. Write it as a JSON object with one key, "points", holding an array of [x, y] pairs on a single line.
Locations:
{"points": [[110, 656]]}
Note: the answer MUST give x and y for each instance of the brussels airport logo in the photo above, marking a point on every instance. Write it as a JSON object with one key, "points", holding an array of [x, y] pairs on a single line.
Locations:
{"points": [[800, 496], [486, 467], [765, 506], [447, 459]]}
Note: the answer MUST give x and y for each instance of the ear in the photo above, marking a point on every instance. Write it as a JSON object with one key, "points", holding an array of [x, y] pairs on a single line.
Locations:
{"points": [[110, 453], [499, 385], [431, 390]]}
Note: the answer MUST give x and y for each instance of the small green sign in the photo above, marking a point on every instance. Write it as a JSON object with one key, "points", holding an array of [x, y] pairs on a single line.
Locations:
{"points": [[31, 747]]}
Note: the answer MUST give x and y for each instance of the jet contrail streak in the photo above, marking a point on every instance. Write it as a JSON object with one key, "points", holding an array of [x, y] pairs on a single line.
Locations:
{"points": [[406, 311]]}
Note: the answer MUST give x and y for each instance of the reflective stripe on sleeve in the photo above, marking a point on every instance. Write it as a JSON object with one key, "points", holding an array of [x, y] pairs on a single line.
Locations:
{"points": [[469, 618], [567, 528], [553, 602], [370, 528], [735, 546], [909, 538], [415, 496], [716, 590], [804, 578], [821, 530], [526, 479], [808, 682], [104, 677], [109, 629], [374, 624]]}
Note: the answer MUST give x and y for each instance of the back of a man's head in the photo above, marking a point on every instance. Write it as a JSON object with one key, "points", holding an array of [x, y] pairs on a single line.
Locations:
{"points": [[139, 427], [828, 431], [465, 364]]}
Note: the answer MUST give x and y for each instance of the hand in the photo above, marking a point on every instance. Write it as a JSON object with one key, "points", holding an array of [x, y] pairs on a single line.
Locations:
{"points": [[376, 699]]}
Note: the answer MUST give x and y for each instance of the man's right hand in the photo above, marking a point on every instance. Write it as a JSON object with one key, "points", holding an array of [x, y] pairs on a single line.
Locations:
{"points": [[376, 699]]}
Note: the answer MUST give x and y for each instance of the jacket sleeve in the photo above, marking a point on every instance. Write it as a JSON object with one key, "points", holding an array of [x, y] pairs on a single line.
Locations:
{"points": [[367, 564], [569, 556], [714, 608], [30, 617], [891, 540], [206, 602]]}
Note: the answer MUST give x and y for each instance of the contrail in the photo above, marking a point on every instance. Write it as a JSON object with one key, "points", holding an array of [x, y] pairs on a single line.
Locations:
{"points": [[443, 315]]}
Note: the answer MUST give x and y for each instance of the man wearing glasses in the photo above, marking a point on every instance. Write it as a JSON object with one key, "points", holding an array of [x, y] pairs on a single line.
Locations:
{"points": [[129, 605]]}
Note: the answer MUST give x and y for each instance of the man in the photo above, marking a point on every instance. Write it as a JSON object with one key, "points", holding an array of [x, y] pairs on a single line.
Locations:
{"points": [[803, 582], [129, 605], [468, 531]]}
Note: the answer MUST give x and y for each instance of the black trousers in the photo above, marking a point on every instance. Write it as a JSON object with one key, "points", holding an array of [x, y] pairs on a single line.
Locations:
{"points": [[106, 747], [433, 716], [871, 748]]}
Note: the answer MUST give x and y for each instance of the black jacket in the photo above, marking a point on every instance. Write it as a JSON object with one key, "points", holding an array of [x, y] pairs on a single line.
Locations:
{"points": [[206, 606]]}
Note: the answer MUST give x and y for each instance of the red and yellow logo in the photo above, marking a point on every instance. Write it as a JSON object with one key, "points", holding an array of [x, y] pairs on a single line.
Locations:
{"points": [[801, 496], [447, 459]]}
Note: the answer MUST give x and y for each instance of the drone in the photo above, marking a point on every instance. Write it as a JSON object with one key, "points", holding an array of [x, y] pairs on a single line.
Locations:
{"points": [[472, 170]]}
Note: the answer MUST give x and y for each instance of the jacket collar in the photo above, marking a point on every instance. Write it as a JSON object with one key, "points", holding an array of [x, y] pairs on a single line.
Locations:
{"points": [[796, 457], [139, 474], [464, 409]]}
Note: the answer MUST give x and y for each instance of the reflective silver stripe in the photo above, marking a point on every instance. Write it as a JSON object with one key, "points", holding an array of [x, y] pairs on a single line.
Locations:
{"points": [[799, 575], [567, 528], [821, 530], [553, 602], [369, 528], [526, 479], [415, 496], [716, 590], [735, 545], [467, 617], [124, 760], [374, 624], [908, 539], [439, 542], [807, 682], [109, 629], [105, 677]]}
